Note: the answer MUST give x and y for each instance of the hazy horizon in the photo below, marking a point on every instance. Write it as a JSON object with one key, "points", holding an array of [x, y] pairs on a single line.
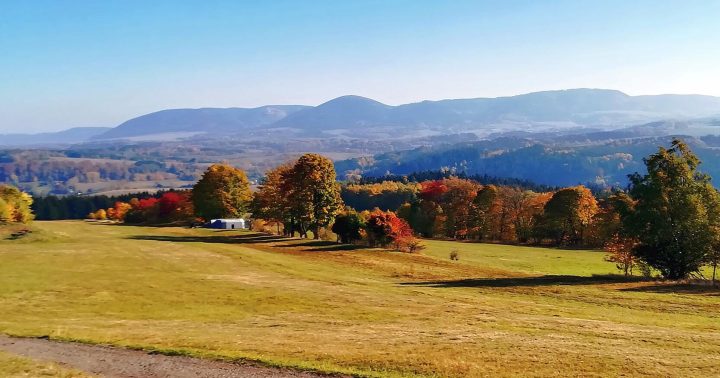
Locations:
{"points": [[85, 64]]}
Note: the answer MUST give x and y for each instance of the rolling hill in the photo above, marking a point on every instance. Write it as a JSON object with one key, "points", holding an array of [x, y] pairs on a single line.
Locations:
{"points": [[69, 136], [206, 120], [539, 110], [561, 163]]}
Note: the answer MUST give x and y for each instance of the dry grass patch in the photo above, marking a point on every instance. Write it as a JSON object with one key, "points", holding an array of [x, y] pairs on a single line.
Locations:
{"points": [[365, 312]]}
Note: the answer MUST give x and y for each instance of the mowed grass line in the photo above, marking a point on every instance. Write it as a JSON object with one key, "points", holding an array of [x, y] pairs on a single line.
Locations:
{"points": [[499, 311], [529, 260]]}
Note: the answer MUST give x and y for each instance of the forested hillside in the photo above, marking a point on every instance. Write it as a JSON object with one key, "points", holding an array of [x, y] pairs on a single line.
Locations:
{"points": [[606, 164]]}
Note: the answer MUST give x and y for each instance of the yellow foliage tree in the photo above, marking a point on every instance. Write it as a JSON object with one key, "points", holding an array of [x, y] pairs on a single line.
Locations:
{"points": [[222, 192]]}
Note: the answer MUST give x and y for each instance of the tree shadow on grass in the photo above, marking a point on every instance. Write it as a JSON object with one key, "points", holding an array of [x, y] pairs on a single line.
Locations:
{"points": [[321, 246], [223, 239], [337, 247], [677, 288], [547, 280]]}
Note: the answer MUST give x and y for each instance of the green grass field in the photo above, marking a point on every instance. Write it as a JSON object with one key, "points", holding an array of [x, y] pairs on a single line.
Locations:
{"points": [[498, 311]]}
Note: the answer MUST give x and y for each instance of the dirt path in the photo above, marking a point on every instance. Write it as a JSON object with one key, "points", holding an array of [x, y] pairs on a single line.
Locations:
{"points": [[114, 362]]}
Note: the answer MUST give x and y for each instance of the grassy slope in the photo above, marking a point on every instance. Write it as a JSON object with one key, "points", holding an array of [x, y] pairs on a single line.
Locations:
{"points": [[527, 260], [16, 367], [498, 311]]}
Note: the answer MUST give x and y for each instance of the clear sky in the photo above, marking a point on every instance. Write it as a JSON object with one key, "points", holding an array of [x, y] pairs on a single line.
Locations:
{"points": [[98, 63]]}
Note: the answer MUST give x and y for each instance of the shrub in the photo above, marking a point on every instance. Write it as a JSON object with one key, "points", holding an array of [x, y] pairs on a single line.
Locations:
{"points": [[454, 255], [101, 214], [347, 226], [384, 228], [412, 245]]}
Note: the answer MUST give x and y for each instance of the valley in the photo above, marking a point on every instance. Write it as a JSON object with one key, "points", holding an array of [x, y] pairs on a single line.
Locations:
{"points": [[588, 136]]}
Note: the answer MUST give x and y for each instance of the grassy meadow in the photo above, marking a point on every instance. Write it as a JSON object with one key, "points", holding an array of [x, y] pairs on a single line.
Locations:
{"points": [[498, 311]]}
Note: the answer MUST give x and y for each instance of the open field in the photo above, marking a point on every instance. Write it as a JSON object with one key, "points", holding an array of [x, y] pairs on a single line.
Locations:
{"points": [[498, 311]]}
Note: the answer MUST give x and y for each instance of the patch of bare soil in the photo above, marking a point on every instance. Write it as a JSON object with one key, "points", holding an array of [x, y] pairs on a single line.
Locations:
{"points": [[115, 362]]}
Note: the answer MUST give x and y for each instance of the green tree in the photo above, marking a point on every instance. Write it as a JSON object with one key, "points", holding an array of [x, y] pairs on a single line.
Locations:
{"points": [[222, 192], [713, 257], [673, 212], [347, 226], [314, 192], [420, 215]]}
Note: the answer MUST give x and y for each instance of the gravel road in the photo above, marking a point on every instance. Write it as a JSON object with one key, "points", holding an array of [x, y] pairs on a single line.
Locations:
{"points": [[115, 362]]}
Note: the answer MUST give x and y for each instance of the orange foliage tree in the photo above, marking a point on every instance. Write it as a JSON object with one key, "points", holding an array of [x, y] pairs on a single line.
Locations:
{"points": [[620, 251], [384, 228], [567, 216]]}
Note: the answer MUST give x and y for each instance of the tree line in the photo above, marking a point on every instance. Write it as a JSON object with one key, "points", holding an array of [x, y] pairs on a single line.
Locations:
{"points": [[78, 207]]}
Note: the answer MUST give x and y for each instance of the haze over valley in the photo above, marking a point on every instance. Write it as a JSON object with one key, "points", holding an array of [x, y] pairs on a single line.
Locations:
{"points": [[565, 137]]}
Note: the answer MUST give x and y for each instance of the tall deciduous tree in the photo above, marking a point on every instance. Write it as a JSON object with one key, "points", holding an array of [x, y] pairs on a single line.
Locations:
{"points": [[222, 192], [673, 213], [524, 207], [315, 193], [486, 208], [272, 200], [455, 202]]}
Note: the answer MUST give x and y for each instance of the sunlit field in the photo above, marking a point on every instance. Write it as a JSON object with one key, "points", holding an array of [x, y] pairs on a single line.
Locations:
{"points": [[497, 311]]}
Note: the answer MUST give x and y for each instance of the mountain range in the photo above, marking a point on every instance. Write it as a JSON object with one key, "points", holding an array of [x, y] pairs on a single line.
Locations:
{"points": [[573, 107], [345, 116], [73, 135]]}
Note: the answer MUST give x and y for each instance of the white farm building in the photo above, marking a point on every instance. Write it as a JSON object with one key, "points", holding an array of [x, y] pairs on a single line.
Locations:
{"points": [[229, 224]]}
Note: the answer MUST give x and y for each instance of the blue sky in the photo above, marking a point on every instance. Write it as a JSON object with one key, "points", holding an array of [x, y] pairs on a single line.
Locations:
{"points": [[98, 63]]}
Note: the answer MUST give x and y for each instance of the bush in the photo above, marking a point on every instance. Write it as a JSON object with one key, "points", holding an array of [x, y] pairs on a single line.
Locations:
{"points": [[411, 245], [384, 228], [455, 255], [347, 226]]}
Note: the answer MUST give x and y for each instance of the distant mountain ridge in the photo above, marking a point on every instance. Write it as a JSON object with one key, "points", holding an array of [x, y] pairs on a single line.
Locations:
{"points": [[69, 136], [583, 107], [364, 118], [205, 120]]}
